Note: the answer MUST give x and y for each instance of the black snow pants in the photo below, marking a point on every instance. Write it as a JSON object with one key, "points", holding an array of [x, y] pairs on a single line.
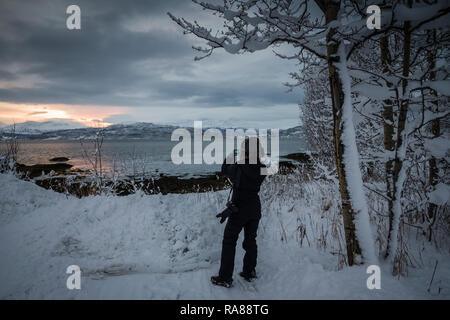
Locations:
{"points": [[248, 219]]}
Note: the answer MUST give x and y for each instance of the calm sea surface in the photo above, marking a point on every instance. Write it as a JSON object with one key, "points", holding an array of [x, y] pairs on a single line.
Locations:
{"points": [[151, 157]]}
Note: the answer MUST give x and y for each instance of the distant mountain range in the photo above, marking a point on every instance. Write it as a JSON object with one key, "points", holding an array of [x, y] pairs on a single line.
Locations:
{"points": [[57, 130], [38, 127]]}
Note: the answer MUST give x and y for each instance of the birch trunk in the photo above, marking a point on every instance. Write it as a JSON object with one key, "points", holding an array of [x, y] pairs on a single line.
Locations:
{"points": [[357, 229], [435, 131], [400, 147], [388, 130]]}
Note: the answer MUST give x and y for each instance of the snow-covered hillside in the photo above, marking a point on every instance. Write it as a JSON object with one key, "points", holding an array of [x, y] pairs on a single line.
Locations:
{"points": [[71, 130], [39, 127], [167, 247]]}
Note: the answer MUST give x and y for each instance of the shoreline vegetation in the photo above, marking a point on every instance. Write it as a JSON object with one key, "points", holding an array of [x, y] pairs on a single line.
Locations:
{"points": [[64, 178]]}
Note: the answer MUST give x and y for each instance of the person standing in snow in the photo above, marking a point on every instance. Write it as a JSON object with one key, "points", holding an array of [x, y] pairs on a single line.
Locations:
{"points": [[245, 212]]}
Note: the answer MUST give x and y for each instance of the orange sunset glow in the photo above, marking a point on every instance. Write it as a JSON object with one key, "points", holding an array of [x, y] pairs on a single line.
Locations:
{"points": [[91, 116]]}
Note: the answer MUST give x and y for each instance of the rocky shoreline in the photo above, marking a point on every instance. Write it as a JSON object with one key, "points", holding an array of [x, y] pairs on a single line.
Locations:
{"points": [[62, 177]]}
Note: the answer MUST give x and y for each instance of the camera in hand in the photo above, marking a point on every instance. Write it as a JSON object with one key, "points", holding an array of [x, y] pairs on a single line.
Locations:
{"points": [[231, 208]]}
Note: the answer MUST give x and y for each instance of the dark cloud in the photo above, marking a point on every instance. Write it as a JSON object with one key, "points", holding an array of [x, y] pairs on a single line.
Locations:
{"points": [[95, 60], [6, 75], [128, 53]]}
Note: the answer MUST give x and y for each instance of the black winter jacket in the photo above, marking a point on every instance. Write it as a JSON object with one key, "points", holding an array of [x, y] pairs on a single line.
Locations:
{"points": [[247, 180]]}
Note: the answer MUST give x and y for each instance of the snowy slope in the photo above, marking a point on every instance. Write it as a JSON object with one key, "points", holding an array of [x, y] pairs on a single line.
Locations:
{"points": [[167, 247], [39, 127]]}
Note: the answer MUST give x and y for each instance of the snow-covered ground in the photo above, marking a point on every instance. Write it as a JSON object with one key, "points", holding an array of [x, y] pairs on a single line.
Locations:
{"points": [[168, 246]]}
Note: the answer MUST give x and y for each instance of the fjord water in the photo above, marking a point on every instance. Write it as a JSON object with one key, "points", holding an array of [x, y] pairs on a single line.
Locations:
{"points": [[128, 157]]}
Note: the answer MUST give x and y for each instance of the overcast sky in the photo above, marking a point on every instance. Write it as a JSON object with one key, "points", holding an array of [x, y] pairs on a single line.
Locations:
{"points": [[130, 62]]}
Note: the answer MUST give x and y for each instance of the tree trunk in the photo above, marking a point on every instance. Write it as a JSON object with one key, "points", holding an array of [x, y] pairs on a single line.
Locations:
{"points": [[400, 145], [435, 131], [388, 129], [337, 97], [358, 233]]}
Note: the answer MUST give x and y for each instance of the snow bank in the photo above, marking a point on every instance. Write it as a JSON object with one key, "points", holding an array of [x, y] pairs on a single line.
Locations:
{"points": [[438, 147], [167, 247], [440, 195]]}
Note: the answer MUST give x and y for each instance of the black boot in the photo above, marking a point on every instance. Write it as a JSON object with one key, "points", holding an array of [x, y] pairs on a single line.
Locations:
{"points": [[248, 276], [218, 281]]}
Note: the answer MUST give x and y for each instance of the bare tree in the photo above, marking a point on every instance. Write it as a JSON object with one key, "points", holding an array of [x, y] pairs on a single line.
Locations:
{"points": [[408, 49], [93, 156], [11, 149], [316, 116]]}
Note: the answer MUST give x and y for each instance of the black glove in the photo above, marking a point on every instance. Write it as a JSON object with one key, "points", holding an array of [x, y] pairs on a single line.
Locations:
{"points": [[231, 208], [224, 215]]}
